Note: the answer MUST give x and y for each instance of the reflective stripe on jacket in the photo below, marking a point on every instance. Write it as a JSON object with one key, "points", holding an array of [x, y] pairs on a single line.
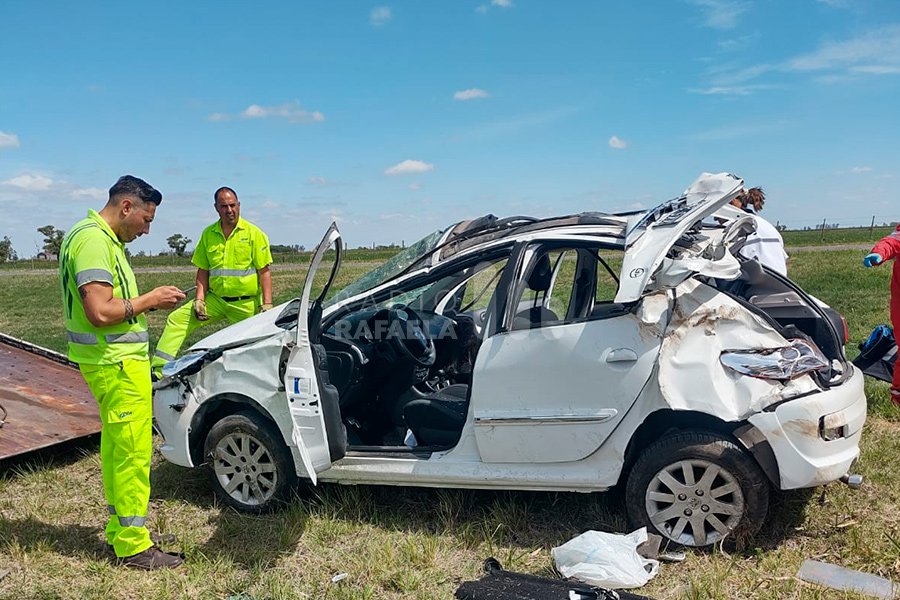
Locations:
{"points": [[233, 263], [91, 252]]}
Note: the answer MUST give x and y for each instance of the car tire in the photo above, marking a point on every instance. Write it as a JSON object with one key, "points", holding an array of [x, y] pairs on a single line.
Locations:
{"points": [[249, 465], [670, 486]]}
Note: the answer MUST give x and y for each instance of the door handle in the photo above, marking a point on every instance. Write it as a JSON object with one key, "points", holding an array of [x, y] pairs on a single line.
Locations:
{"points": [[621, 355]]}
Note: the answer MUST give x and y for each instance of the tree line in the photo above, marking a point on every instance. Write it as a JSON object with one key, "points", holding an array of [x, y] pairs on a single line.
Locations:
{"points": [[53, 239]]}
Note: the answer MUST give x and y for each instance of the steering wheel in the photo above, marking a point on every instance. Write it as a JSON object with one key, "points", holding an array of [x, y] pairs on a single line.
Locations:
{"points": [[409, 337]]}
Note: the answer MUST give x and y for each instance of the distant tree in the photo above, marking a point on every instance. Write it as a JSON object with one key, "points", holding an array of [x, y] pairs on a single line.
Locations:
{"points": [[6, 250], [178, 243], [284, 248], [53, 238], [141, 254]]}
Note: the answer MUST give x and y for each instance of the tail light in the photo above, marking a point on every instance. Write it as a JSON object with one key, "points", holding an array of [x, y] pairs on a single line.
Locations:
{"points": [[787, 362], [846, 330]]}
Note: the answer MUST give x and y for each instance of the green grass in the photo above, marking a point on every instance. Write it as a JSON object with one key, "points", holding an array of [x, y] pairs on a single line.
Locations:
{"points": [[846, 235], [399, 543], [31, 304]]}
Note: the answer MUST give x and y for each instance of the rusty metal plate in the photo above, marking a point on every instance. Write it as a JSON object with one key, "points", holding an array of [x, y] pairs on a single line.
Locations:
{"points": [[45, 399]]}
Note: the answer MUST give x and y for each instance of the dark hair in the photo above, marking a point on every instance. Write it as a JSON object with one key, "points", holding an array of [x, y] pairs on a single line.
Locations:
{"points": [[128, 185], [224, 188], [754, 197]]}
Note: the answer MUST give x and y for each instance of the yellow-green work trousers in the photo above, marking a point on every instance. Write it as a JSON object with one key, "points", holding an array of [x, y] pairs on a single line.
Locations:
{"points": [[182, 322], [126, 444]]}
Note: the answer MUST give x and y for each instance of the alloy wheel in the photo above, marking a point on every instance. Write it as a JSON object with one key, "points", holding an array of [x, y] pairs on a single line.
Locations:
{"points": [[245, 468], [694, 502]]}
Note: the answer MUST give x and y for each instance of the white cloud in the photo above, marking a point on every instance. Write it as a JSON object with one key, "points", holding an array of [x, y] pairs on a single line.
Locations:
{"points": [[727, 76], [379, 16], [8, 140], [736, 43], [720, 14], [470, 94], [617, 143], [837, 3], [876, 52], [876, 69], [483, 8], [91, 193], [53, 189], [415, 187], [30, 183], [292, 112], [408, 167], [733, 90], [316, 180]]}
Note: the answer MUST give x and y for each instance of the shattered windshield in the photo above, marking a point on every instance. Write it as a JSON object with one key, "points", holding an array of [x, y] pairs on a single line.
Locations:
{"points": [[391, 268]]}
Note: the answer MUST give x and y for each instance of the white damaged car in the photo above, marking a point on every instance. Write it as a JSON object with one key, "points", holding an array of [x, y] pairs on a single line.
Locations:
{"points": [[567, 354]]}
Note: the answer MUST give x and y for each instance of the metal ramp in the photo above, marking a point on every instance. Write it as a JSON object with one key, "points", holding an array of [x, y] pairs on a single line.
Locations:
{"points": [[44, 399]]}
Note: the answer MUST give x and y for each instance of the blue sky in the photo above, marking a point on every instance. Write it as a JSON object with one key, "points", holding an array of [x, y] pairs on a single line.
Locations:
{"points": [[397, 118]]}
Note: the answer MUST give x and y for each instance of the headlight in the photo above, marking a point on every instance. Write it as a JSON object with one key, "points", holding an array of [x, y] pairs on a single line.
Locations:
{"points": [[786, 362]]}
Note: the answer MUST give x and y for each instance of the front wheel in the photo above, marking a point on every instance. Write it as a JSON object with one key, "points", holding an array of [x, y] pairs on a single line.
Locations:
{"points": [[250, 466], [696, 489]]}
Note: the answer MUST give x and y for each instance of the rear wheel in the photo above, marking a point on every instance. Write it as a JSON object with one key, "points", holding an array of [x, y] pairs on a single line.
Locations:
{"points": [[250, 466], [696, 489]]}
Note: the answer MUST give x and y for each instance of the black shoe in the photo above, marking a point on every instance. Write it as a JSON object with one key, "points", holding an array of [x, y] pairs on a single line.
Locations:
{"points": [[151, 559]]}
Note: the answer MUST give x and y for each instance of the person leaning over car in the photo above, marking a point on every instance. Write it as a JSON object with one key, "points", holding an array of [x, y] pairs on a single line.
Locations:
{"points": [[107, 337], [888, 248], [232, 260], [766, 245]]}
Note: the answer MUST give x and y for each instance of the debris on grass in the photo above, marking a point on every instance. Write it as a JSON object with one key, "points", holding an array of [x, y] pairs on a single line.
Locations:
{"points": [[841, 578], [607, 559]]}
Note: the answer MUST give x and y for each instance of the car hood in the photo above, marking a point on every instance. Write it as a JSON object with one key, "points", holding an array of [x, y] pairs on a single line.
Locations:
{"points": [[653, 233], [249, 330]]}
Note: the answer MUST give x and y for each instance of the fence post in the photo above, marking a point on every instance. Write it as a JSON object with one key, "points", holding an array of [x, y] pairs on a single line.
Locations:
{"points": [[823, 228], [872, 226]]}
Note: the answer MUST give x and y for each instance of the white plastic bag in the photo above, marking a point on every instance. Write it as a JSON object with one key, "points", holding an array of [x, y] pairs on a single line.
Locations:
{"points": [[606, 559]]}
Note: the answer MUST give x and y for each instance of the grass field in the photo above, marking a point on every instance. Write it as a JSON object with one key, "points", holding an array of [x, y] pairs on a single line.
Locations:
{"points": [[417, 543], [847, 235]]}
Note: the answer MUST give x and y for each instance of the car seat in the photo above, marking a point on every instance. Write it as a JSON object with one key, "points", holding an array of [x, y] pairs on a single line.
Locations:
{"points": [[538, 281], [438, 418]]}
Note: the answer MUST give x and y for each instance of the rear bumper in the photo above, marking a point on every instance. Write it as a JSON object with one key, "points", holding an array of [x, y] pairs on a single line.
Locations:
{"points": [[793, 431]]}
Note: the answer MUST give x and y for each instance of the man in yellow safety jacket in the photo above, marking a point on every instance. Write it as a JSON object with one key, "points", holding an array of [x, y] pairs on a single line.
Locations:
{"points": [[107, 337], [232, 260]]}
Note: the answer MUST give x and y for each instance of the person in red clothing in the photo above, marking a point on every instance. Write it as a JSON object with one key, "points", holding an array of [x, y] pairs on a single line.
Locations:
{"points": [[886, 249]]}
